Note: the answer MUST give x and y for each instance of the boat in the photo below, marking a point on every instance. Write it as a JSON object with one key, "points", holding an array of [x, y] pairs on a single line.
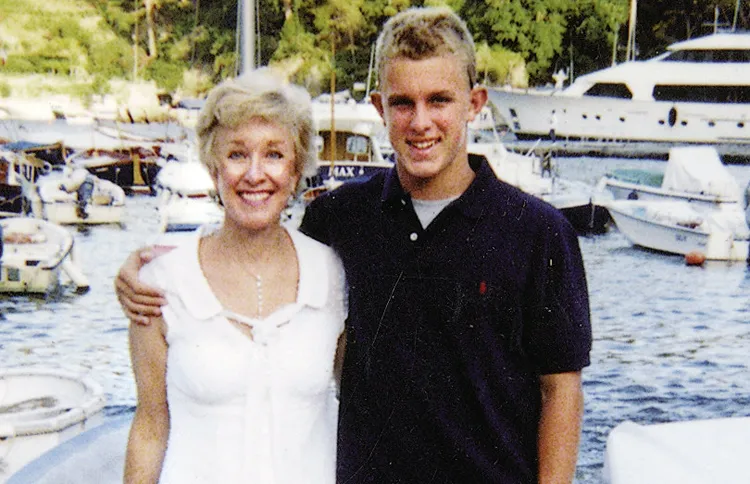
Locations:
{"points": [[73, 196], [349, 142], [679, 227], [535, 174], [704, 451], [39, 409], [187, 196], [94, 456], [34, 254], [698, 91], [14, 167], [694, 174], [23, 163], [49, 153], [134, 168]]}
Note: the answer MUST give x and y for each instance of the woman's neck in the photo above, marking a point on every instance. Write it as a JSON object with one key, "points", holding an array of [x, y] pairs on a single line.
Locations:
{"points": [[250, 246]]}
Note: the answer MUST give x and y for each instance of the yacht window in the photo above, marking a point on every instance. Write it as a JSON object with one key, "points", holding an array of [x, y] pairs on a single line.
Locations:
{"points": [[609, 89], [356, 145], [717, 56], [702, 94]]}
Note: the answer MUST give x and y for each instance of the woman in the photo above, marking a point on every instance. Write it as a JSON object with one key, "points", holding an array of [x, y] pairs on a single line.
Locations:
{"points": [[237, 385]]}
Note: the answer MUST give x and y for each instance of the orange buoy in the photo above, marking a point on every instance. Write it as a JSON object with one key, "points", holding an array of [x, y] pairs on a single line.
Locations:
{"points": [[695, 258]]}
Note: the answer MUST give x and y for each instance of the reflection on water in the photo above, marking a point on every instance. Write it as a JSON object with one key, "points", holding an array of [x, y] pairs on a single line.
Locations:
{"points": [[671, 341]]}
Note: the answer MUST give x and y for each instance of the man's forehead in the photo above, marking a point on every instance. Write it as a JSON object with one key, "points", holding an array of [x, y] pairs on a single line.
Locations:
{"points": [[397, 72]]}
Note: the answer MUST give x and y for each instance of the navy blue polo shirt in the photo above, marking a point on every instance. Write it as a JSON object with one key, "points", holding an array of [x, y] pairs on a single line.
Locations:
{"points": [[450, 327]]}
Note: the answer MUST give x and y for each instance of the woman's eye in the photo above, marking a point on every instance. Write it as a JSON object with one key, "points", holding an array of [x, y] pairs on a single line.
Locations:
{"points": [[236, 155], [276, 156]]}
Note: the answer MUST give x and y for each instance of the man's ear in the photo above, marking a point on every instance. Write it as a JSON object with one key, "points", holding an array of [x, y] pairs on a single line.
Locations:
{"points": [[478, 98], [377, 101]]}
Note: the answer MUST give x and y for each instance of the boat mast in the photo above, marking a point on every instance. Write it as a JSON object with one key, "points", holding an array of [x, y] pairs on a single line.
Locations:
{"points": [[246, 20], [630, 51]]}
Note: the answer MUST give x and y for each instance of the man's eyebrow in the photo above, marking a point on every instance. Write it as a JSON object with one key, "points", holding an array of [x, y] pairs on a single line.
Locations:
{"points": [[399, 99]]}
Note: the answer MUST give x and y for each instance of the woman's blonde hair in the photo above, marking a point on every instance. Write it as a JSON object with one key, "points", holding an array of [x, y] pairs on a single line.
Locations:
{"points": [[259, 94], [423, 32]]}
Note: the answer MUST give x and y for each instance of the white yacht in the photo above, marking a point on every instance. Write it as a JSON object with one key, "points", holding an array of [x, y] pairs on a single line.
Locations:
{"points": [[698, 91]]}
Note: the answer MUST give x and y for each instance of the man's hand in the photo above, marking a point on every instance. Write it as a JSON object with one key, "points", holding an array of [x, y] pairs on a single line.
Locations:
{"points": [[139, 301]]}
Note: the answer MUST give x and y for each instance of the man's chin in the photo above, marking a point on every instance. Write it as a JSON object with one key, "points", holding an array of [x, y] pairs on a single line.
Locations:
{"points": [[421, 169]]}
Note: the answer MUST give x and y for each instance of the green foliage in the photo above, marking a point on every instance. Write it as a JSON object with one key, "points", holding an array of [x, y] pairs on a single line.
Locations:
{"points": [[540, 36], [31, 64], [5, 90], [109, 59], [594, 26], [299, 57], [167, 75], [497, 65]]}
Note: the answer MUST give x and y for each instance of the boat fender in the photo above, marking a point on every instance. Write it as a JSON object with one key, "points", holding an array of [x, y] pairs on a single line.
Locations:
{"points": [[695, 258], [76, 275], [672, 117], [84, 193]]}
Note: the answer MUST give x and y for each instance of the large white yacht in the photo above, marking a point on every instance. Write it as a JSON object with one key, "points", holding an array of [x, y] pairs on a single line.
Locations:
{"points": [[697, 91]]}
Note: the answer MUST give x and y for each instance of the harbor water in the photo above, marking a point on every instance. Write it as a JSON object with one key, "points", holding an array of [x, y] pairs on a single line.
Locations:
{"points": [[671, 341]]}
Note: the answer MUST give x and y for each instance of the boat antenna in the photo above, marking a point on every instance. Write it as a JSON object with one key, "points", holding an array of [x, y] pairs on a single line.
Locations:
{"points": [[369, 72], [736, 12], [246, 34], [630, 51]]}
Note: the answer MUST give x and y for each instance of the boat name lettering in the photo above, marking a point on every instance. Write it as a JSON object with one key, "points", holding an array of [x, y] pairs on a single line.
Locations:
{"points": [[342, 171]]}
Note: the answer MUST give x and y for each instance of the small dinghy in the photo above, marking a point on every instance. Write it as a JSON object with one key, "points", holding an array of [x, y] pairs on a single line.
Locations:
{"points": [[74, 196], [187, 197], [690, 452], [33, 254], [679, 227], [40, 409]]}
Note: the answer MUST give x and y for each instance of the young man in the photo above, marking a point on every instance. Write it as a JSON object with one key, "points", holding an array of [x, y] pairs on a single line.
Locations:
{"points": [[468, 307]]}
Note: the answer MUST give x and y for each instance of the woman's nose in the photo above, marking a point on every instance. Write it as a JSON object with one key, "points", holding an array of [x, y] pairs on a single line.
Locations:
{"points": [[255, 169]]}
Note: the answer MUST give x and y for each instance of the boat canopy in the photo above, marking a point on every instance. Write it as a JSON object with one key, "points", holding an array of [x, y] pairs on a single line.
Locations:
{"points": [[699, 170]]}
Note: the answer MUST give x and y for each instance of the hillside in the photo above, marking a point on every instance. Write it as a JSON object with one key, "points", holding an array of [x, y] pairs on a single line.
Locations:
{"points": [[52, 55]]}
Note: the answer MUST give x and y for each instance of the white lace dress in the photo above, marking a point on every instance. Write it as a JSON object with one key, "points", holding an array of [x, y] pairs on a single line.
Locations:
{"points": [[260, 410]]}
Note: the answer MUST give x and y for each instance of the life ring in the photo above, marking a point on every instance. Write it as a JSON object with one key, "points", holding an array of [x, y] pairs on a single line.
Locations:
{"points": [[672, 116], [46, 168]]}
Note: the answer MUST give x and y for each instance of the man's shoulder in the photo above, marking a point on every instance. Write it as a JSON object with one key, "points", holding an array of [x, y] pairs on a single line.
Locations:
{"points": [[352, 193], [502, 193], [519, 207], [343, 210]]}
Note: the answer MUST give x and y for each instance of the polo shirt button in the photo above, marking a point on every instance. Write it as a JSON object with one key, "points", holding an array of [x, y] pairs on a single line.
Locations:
{"points": [[413, 236], [403, 202]]}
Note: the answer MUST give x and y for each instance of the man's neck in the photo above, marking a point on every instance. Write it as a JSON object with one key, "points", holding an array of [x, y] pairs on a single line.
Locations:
{"points": [[446, 185]]}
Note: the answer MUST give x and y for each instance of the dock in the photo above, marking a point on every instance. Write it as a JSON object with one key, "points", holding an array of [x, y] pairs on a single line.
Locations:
{"points": [[736, 153]]}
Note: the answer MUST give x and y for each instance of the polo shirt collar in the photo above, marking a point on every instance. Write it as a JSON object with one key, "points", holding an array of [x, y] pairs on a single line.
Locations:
{"points": [[470, 203]]}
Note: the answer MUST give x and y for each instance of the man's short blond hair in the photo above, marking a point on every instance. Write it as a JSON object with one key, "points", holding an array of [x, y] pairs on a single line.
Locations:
{"points": [[259, 94], [422, 33]]}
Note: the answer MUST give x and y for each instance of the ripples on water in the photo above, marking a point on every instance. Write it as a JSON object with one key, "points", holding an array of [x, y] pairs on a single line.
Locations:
{"points": [[670, 341]]}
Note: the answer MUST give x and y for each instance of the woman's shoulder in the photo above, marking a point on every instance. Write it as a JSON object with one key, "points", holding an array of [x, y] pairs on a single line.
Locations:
{"points": [[173, 263], [309, 247], [317, 258]]}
